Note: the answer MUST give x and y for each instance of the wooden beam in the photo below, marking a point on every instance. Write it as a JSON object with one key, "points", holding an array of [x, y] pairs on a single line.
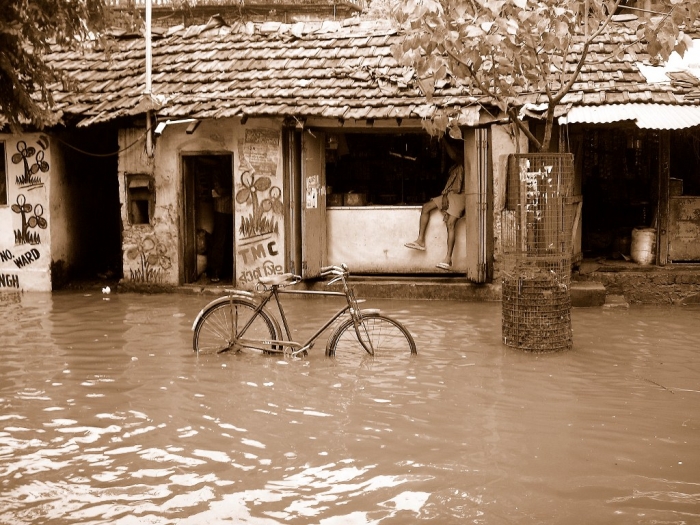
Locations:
{"points": [[663, 210]]}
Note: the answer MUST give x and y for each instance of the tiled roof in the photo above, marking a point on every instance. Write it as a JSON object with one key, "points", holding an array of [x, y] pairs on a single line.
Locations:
{"points": [[341, 70], [609, 79], [331, 69]]}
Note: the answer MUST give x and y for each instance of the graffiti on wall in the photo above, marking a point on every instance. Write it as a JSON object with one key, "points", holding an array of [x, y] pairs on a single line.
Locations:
{"points": [[263, 201], [33, 164], [8, 280], [259, 200], [258, 261], [11, 280], [259, 206], [152, 260], [32, 160], [27, 215], [22, 260], [32, 217]]}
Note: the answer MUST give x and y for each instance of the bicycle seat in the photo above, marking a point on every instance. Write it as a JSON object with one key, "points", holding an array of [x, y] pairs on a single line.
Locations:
{"points": [[278, 280]]}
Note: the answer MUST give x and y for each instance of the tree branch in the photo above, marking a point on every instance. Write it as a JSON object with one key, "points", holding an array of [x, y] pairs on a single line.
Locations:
{"points": [[584, 53], [513, 115]]}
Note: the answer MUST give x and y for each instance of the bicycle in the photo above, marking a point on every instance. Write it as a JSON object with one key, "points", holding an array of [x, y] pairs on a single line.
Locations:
{"points": [[241, 321]]}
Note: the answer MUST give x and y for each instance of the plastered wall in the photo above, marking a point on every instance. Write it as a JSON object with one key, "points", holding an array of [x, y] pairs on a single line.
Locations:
{"points": [[152, 252], [25, 216], [503, 144]]}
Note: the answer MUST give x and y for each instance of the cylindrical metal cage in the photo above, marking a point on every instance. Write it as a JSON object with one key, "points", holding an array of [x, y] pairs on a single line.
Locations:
{"points": [[536, 237]]}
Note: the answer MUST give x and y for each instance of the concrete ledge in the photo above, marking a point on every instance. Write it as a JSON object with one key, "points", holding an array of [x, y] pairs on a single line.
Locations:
{"points": [[677, 284], [426, 288], [419, 290], [616, 301], [585, 294]]}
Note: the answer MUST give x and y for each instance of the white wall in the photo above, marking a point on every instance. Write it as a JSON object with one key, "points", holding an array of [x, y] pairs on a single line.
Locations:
{"points": [[26, 222], [63, 242], [370, 239]]}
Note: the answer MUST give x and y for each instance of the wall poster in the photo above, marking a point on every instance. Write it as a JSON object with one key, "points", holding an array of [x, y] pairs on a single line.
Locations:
{"points": [[259, 208]]}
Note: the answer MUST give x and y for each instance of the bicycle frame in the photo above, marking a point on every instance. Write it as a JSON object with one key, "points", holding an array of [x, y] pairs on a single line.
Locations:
{"points": [[270, 288], [275, 292]]}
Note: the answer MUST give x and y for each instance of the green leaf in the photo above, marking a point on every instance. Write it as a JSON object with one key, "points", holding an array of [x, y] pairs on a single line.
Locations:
{"points": [[473, 32], [486, 26], [27, 29], [455, 131], [441, 73], [520, 46]]}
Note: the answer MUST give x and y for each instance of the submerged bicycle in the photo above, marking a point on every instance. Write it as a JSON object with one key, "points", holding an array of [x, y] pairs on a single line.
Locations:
{"points": [[241, 321]]}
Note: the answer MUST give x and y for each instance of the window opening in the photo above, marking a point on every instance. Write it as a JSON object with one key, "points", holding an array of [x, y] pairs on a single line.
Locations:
{"points": [[384, 169], [141, 194], [685, 174]]}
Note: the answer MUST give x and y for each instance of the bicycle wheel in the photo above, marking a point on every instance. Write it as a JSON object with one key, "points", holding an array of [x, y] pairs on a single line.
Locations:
{"points": [[221, 324], [388, 337]]}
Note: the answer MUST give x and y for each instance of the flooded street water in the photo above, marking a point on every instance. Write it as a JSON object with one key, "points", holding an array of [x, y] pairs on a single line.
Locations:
{"points": [[107, 417]]}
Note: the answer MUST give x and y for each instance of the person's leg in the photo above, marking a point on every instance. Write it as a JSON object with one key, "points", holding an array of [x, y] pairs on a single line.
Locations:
{"points": [[227, 249], [455, 210], [451, 236], [425, 212], [218, 246]]}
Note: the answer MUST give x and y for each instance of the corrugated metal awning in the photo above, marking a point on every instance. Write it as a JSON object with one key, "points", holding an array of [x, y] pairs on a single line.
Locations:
{"points": [[646, 116]]}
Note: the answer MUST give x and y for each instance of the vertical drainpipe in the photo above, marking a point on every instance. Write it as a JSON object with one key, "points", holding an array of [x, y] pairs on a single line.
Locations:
{"points": [[147, 91]]}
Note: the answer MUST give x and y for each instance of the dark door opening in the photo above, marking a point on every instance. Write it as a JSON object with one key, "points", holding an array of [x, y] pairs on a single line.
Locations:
{"points": [[92, 206], [620, 188], [208, 218]]}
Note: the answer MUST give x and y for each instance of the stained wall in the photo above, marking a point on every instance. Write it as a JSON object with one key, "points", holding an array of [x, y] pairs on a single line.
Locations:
{"points": [[152, 253], [26, 227]]}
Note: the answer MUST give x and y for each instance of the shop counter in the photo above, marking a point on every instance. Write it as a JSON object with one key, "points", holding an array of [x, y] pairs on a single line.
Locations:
{"points": [[370, 239]]}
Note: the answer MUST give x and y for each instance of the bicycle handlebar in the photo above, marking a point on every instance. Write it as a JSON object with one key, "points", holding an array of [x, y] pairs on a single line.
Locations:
{"points": [[335, 270], [339, 273]]}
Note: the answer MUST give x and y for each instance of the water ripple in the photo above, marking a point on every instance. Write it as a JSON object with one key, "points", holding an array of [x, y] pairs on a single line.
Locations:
{"points": [[106, 417]]}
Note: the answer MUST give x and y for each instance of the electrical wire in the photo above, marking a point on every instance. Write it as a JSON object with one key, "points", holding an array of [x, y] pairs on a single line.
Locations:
{"points": [[102, 155]]}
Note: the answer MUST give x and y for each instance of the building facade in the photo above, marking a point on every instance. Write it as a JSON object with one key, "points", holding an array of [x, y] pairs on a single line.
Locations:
{"points": [[318, 135]]}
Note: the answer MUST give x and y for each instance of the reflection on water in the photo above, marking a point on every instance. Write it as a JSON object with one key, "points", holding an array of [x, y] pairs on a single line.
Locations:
{"points": [[106, 416]]}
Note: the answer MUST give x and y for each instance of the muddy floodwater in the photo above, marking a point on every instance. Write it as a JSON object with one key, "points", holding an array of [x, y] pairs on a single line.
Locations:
{"points": [[107, 417]]}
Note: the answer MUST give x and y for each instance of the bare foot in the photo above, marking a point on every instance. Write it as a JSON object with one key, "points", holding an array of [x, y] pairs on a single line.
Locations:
{"points": [[415, 245]]}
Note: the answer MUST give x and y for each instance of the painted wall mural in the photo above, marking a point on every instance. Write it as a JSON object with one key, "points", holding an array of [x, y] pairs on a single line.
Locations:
{"points": [[26, 217], [32, 217], [32, 160], [259, 207], [151, 258]]}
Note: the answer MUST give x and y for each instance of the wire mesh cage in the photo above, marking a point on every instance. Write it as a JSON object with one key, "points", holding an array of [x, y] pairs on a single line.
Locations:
{"points": [[536, 310], [537, 237]]}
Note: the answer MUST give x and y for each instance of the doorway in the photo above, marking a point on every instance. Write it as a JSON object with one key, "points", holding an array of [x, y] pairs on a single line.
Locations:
{"points": [[208, 218], [91, 200]]}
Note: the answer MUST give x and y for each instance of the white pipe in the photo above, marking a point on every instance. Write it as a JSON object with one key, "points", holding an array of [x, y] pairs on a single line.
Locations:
{"points": [[148, 47], [147, 91]]}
